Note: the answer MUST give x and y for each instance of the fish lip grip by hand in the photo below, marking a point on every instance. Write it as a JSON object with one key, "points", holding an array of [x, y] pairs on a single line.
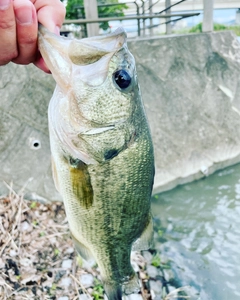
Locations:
{"points": [[102, 152]]}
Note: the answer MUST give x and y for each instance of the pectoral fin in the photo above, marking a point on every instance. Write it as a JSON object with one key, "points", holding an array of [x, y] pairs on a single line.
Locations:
{"points": [[81, 183], [145, 240]]}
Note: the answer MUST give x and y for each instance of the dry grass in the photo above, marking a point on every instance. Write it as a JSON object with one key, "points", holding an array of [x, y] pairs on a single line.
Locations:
{"points": [[35, 246], [175, 294]]}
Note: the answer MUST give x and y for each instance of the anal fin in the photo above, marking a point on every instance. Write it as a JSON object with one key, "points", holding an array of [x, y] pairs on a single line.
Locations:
{"points": [[144, 242], [82, 250]]}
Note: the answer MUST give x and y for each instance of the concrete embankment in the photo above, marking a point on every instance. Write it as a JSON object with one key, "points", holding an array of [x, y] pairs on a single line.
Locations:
{"points": [[191, 90]]}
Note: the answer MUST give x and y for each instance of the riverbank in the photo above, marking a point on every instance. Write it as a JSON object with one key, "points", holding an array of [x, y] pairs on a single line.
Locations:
{"points": [[38, 260]]}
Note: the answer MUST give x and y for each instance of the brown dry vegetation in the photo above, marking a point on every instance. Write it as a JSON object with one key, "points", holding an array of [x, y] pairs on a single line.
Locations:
{"points": [[37, 257]]}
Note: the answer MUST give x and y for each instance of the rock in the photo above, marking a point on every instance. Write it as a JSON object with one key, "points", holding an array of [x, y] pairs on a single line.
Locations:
{"points": [[70, 250], [67, 264], [168, 274], [2, 263], [59, 275], [148, 256], [133, 297], [156, 286], [12, 253], [25, 226], [86, 280], [152, 271], [84, 297], [26, 262], [63, 298], [65, 282]]}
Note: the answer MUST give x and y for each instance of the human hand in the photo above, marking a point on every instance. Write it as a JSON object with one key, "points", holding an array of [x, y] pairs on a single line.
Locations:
{"points": [[19, 28]]}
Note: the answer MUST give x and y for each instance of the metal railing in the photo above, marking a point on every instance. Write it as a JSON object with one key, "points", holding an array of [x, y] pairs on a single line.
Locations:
{"points": [[142, 13]]}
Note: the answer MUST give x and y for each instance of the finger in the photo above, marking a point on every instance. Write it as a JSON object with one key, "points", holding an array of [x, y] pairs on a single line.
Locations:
{"points": [[39, 62], [8, 44], [51, 15], [26, 25]]}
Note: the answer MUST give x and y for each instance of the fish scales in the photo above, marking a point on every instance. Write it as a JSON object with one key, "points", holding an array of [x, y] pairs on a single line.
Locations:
{"points": [[102, 152]]}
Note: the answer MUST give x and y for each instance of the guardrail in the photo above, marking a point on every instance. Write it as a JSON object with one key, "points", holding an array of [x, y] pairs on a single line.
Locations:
{"points": [[143, 11], [135, 17]]}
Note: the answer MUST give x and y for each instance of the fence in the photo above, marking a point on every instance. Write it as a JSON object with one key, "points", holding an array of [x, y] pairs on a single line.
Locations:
{"points": [[140, 19]]}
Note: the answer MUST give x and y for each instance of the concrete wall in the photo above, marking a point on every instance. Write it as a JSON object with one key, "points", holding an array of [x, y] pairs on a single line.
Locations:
{"points": [[24, 144], [191, 90]]}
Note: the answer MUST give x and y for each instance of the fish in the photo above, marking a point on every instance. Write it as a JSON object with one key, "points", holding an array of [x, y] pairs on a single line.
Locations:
{"points": [[102, 152]]}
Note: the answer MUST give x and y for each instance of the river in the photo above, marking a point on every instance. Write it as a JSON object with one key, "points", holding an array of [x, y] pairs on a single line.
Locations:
{"points": [[198, 233]]}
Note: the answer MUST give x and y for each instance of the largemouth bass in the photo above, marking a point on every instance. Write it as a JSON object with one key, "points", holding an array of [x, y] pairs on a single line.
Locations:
{"points": [[102, 152]]}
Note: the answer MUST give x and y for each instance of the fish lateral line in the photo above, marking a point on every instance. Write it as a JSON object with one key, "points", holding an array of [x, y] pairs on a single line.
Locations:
{"points": [[97, 130]]}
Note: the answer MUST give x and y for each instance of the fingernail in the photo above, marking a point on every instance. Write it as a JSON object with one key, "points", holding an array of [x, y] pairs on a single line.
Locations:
{"points": [[24, 16], [4, 4]]}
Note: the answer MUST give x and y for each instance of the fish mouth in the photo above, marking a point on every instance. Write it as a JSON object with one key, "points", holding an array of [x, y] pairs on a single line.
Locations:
{"points": [[83, 58]]}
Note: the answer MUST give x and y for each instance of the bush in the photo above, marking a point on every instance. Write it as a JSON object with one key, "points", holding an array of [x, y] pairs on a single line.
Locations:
{"points": [[216, 27]]}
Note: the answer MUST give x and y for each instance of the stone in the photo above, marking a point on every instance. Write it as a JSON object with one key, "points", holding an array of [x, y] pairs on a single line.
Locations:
{"points": [[156, 286], [65, 282], [26, 262], [86, 280], [133, 297], [168, 274], [84, 297], [152, 271], [25, 226], [12, 253], [148, 256], [67, 263]]}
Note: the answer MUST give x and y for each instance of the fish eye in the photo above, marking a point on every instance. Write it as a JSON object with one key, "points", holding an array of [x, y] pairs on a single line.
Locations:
{"points": [[122, 79]]}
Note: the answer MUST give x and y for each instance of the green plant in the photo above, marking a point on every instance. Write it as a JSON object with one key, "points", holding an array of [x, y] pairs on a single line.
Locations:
{"points": [[33, 205], [97, 290], [216, 27], [75, 10], [156, 261], [56, 251], [34, 223]]}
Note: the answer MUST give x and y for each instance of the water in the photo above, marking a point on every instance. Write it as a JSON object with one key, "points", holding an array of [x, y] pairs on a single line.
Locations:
{"points": [[198, 227]]}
